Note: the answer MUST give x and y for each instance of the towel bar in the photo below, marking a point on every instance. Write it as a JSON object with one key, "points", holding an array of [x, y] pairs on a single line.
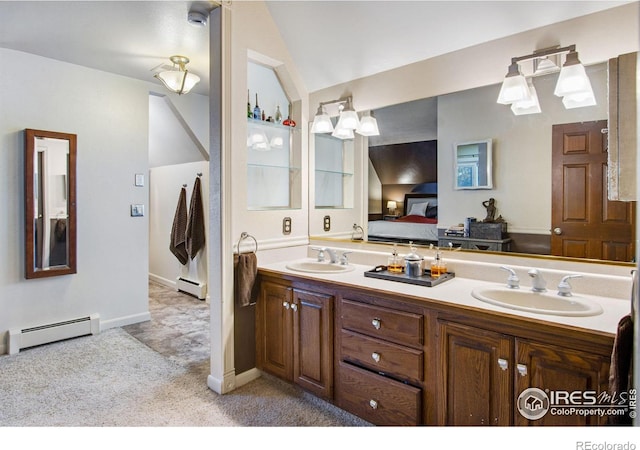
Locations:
{"points": [[244, 235]]}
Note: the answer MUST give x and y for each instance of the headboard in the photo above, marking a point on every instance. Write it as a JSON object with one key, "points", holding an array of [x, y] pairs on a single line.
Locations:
{"points": [[411, 199]]}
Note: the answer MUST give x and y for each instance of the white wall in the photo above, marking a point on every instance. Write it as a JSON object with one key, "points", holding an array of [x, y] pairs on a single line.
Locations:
{"points": [[109, 114], [164, 185]]}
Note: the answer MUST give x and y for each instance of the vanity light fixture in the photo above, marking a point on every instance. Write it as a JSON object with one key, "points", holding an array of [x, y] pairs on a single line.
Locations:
{"points": [[179, 79], [348, 121], [573, 83]]}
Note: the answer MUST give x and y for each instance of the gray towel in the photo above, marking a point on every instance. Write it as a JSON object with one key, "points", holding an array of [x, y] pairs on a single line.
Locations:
{"points": [[195, 223], [245, 267], [177, 243]]}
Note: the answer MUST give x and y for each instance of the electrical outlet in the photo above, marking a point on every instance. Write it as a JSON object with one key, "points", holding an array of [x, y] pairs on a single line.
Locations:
{"points": [[327, 223], [286, 225], [137, 210]]}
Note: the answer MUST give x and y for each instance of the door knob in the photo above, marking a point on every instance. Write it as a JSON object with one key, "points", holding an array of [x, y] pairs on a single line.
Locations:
{"points": [[557, 231]]}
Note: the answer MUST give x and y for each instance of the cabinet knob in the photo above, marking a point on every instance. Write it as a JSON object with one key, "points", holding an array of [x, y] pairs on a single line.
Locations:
{"points": [[373, 404], [375, 356], [376, 323], [522, 370], [286, 305], [294, 307], [503, 363]]}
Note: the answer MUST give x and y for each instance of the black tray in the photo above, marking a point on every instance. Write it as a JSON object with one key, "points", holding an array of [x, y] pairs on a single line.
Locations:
{"points": [[425, 280]]}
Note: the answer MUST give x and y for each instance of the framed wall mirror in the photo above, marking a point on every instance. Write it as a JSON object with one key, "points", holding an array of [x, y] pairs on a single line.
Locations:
{"points": [[473, 165], [50, 203]]}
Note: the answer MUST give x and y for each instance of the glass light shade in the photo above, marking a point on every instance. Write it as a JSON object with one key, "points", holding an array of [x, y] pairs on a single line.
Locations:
{"points": [[514, 87], [277, 142], [579, 100], [368, 127], [178, 81], [348, 119], [321, 123], [529, 106], [391, 204], [258, 141], [573, 78], [342, 133]]}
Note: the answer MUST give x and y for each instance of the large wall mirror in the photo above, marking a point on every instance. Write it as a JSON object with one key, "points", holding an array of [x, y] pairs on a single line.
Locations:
{"points": [[50, 203]]}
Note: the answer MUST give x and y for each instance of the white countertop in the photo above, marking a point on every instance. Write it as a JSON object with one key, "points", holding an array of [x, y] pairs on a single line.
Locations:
{"points": [[457, 291]]}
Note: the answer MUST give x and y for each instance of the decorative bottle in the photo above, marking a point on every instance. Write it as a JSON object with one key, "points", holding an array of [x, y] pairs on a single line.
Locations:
{"points": [[256, 110], [278, 114], [249, 112]]}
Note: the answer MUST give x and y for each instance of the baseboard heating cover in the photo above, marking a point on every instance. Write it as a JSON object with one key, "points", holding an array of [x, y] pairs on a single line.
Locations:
{"points": [[192, 287], [44, 334]]}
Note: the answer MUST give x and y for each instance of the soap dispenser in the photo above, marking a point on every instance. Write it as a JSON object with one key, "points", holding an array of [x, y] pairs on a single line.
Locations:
{"points": [[438, 266], [394, 264]]}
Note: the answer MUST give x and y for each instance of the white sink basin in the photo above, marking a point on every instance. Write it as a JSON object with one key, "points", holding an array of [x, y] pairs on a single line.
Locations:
{"points": [[312, 266], [524, 299]]}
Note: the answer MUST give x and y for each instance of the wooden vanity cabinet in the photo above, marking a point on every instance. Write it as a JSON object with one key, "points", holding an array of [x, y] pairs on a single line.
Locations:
{"points": [[294, 332], [484, 372]]}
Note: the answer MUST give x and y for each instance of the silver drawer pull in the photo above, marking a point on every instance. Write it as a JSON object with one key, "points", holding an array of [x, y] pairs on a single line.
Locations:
{"points": [[294, 307], [522, 370], [376, 323], [503, 363], [286, 305], [375, 356], [373, 404]]}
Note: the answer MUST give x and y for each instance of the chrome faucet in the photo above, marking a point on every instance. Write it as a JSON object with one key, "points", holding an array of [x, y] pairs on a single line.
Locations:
{"points": [[332, 254], [564, 288], [344, 260], [539, 283], [513, 282]]}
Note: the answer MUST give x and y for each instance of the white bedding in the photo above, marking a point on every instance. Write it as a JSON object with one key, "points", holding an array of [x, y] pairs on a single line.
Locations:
{"points": [[407, 231]]}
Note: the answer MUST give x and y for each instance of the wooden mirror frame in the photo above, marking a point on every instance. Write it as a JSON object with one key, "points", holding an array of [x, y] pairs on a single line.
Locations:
{"points": [[30, 204]]}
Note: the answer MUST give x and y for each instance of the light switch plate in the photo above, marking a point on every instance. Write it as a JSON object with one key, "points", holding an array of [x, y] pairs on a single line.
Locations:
{"points": [[286, 225], [137, 210], [327, 223], [140, 179]]}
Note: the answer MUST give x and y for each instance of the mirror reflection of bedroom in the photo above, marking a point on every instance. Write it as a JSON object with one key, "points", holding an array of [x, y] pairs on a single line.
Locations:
{"points": [[403, 174]]}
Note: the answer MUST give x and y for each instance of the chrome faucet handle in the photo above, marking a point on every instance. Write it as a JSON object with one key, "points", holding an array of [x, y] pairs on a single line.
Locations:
{"points": [[343, 259], [320, 253], [564, 288], [513, 282]]}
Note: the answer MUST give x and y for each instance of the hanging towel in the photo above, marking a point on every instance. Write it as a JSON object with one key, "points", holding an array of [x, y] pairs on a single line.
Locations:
{"points": [[195, 223], [177, 243], [621, 372], [245, 267]]}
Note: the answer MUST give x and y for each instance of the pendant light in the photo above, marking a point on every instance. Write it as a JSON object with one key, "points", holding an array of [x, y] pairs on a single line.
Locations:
{"points": [[179, 79]]}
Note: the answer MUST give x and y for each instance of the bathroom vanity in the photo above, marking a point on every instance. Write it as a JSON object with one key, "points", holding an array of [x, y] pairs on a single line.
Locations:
{"points": [[399, 354]]}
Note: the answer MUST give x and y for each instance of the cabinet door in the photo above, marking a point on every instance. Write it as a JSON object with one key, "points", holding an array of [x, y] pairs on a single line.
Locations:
{"points": [[273, 330], [313, 342], [476, 387], [551, 368]]}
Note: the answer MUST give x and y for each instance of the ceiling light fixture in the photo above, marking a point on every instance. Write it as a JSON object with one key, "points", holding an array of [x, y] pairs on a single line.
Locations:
{"points": [[179, 79], [573, 83], [348, 121]]}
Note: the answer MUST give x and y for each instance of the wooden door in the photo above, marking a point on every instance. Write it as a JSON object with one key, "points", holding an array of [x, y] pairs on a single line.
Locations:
{"points": [[558, 370], [584, 223], [274, 352], [313, 342], [476, 384]]}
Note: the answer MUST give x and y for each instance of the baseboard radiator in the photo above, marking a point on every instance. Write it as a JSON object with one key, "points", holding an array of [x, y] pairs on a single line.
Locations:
{"points": [[44, 334], [192, 287]]}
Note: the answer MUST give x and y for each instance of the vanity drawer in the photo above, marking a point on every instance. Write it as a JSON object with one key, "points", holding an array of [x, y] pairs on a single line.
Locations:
{"points": [[377, 399], [391, 359], [389, 324]]}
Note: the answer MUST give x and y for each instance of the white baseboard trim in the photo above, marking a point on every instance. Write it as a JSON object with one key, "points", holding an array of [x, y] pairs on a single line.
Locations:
{"points": [[247, 376], [164, 281], [122, 321], [224, 386]]}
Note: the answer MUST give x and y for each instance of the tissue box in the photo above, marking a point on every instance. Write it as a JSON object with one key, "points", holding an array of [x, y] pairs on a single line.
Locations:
{"points": [[483, 230]]}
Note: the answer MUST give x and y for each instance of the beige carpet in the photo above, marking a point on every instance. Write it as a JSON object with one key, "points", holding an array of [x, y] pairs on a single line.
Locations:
{"points": [[114, 380]]}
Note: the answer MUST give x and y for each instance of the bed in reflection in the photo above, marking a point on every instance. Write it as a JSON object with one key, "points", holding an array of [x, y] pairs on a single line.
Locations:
{"points": [[419, 224]]}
